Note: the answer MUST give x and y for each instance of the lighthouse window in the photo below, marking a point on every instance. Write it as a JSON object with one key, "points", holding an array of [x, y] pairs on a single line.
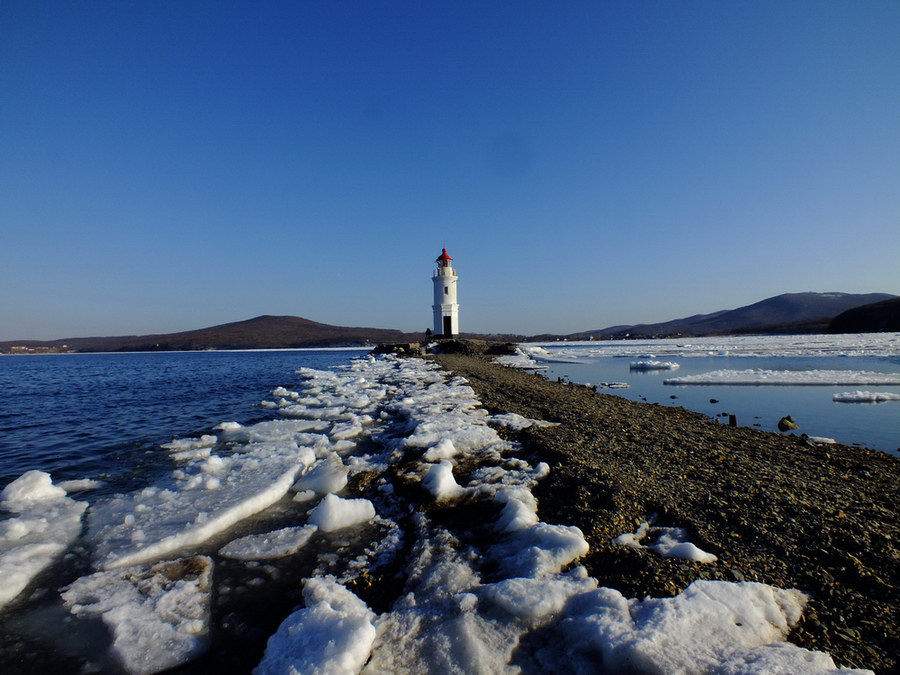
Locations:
{"points": [[446, 290]]}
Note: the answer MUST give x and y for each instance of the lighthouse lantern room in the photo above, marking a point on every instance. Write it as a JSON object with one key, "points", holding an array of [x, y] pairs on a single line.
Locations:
{"points": [[446, 309]]}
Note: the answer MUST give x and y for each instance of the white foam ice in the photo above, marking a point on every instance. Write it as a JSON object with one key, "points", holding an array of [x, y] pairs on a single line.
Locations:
{"points": [[761, 376], [44, 524], [865, 397], [669, 542], [269, 545], [334, 513], [653, 365], [333, 634], [158, 615]]}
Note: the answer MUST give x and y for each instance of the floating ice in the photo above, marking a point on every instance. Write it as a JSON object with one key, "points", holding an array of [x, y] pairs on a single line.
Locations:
{"points": [[653, 365], [277, 544], [214, 495], [866, 344], [333, 634], [158, 615], [334, 513], [79, 484], [47, 521], [669, 542], [787, 377], [865, 397], [329, 475]]}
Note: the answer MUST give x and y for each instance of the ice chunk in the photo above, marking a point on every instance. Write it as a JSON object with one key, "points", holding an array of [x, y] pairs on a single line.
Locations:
{"points": [[329, 475], [709, 623], [158, 615], [443, 450], [277, 544], [334, 513], [79, 484], [653, 365], [519, 511], [47, 521], [182, 444], [536, 598], [865, 397], [518, 422], [669, 542], [439, 481], [148, 524], [540, 550], [333, 634]]}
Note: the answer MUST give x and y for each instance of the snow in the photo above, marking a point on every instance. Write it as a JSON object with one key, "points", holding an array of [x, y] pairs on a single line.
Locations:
{"points": [[760, 376], [158, 615], [45, 523], [334, 513], [269, 545], [332, 635], [865, 397], [669, 542], [653, 365]]}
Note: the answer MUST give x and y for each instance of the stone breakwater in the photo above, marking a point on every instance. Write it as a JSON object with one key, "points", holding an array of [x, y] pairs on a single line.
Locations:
{"points": [[770, 507]]}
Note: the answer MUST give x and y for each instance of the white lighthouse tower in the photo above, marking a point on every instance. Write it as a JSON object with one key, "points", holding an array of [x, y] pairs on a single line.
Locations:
{"points": [[446, 309]]}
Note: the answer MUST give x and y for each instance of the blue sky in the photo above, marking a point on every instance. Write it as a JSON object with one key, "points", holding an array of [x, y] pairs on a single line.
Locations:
{"points": [[172, 165]]}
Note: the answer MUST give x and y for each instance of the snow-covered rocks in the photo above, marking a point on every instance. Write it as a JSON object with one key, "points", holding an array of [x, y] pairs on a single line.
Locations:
{"points": [[158, 615], [45, 523]]}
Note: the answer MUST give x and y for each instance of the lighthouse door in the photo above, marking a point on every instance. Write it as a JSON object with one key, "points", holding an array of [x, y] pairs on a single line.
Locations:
{"points": [[448, 326]]}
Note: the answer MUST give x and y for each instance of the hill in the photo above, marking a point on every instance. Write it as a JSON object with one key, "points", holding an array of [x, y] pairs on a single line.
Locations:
{"points": [[786, 313], [262, 332], [878, 317]]}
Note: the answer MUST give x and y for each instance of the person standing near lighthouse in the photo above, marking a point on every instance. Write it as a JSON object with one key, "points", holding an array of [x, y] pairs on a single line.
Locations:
{"points": [[446, 309]]}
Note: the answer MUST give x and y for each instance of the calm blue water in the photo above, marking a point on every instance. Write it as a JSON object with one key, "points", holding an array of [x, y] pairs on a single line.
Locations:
{"points": [[875, 426], [104, 416]]}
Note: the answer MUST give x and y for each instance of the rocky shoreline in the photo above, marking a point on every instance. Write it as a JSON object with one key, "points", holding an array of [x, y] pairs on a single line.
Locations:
{"points": [[773, 508]]}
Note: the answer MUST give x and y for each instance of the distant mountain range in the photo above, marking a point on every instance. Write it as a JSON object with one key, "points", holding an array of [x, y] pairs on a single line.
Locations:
{"points": [[262, 332], [786, 313]]}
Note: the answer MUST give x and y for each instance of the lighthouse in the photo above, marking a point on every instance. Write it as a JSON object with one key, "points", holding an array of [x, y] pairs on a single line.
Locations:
{"points": [[446, 309]]}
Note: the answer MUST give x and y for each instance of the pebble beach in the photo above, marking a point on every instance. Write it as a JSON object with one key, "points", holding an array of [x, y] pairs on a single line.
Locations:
{"points": [[772, 508]]}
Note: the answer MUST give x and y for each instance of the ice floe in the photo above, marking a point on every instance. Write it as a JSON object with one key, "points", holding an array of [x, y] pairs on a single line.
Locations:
{"points": [[334, 513], [761, 376], [865, 397], [862, 344], [158, 614], [653, 365], [44, 524], [269, 545]]}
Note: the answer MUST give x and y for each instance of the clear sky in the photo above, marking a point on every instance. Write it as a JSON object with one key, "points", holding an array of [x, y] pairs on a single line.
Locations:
{"points": [[171, 165]]}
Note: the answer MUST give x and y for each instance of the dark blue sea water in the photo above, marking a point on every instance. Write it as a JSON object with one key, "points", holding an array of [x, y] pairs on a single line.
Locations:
{"points": [[875, 426], [103, 416]]}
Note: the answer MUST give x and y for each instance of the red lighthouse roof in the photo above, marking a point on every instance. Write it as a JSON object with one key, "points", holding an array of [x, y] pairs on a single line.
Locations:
{"points": [[443, 256]]}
